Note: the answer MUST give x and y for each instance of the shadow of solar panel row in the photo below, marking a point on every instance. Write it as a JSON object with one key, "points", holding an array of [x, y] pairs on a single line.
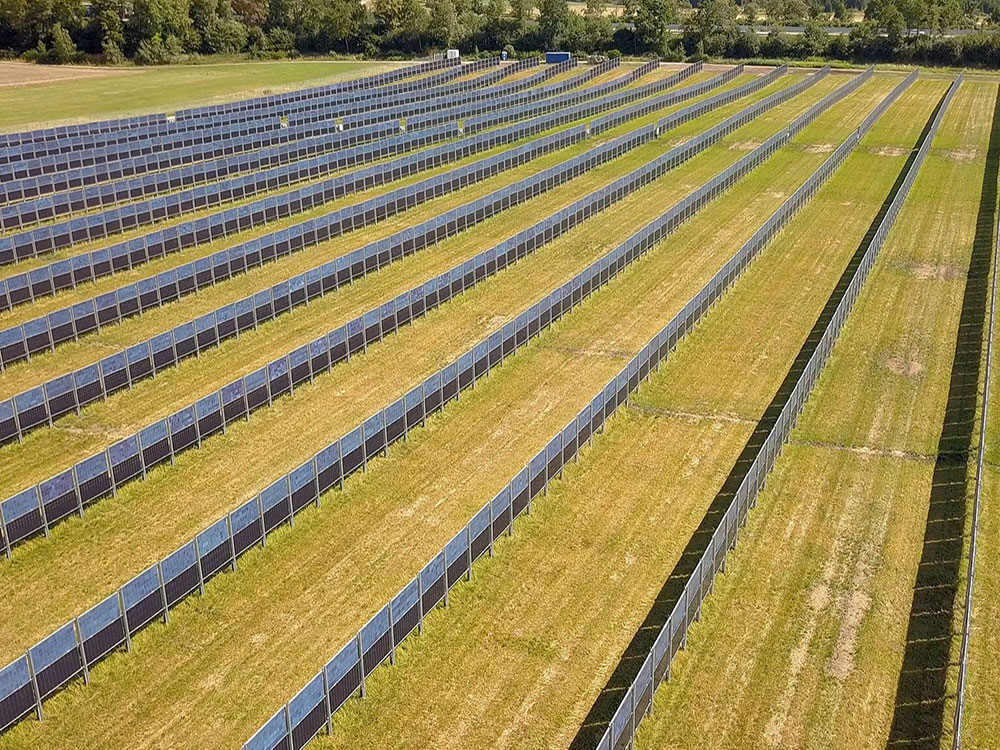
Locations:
{"points": [[198, 172], [84, 229], [197, 113], [386, 318], [211, 142], [153, 592], [41, 405], [169, 136], [48, 207], [637, 701]]}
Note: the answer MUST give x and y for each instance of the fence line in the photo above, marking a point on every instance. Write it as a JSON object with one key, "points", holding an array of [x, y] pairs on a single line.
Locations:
{"points": [[73, 649], [963, 659], [638, 701]]}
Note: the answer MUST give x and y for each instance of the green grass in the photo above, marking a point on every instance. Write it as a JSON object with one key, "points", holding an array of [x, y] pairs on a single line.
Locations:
{"points": [[341, 562], [44, 450], [125, 92], [222, 473], [810, 621], [661, 467]]}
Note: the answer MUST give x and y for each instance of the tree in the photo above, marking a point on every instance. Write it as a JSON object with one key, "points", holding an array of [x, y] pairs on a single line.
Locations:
{"points": [[63, 48], [158, 18], [401, 23], [713, 27], [650, 19], [251, 12], [443, 26], [553, 19], [325, 25]]}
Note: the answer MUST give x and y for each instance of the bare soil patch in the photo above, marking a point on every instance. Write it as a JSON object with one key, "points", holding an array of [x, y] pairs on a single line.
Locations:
{"points": [[928, 271], [889, 151], [818, 148], [24, 74], [908, 367], [962, 156]]}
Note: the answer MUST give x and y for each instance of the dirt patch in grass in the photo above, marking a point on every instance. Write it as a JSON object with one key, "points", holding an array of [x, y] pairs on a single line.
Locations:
{"points": [[818, 148], [744, 145], [962, 155], [889, 151], [23, 74], [906, 366], [927, 271]]}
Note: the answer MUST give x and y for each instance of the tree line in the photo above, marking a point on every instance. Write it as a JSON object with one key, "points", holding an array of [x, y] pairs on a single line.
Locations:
{"points": [[165, 31]]}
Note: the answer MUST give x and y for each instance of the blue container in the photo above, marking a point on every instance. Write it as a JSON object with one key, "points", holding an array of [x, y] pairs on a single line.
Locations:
{"points": [[557, 57]]}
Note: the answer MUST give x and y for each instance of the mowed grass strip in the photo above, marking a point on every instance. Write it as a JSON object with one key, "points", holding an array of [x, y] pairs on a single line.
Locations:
{"points": [[84, 557], [539, 632], [86, 291], [981, 723], [810, 621], [77, 437], [321, 579]]}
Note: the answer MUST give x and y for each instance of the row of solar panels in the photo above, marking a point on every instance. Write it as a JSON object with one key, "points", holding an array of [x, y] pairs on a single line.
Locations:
{"points": [[374, 84], [55, 236], [310, 709], [373, 436], [197, 170], [47, 207], [210, 142], [143, 360], [196, 114], [43, 333], [655, 668], [621, 98], [122, 370], [193, 132], [125, 255], [162, 350], [148, 596], [201, 171], [100, 225]]}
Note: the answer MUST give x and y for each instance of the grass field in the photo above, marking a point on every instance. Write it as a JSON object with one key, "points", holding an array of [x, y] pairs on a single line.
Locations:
{"points": [[165, 88], [587, 620], [46, 450], [832, 550], [536, 394], [348, 394], [837, 622]]}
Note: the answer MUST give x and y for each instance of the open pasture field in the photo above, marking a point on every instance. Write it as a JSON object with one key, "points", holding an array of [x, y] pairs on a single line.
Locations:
{"points": [[225, 523]]}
